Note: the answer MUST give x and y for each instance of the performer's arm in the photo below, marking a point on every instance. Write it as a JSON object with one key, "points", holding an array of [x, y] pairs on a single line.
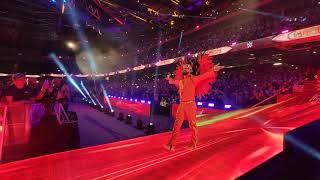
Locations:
{"points": [[205, 76], [43, 90], [172, 81], [208, 75]]}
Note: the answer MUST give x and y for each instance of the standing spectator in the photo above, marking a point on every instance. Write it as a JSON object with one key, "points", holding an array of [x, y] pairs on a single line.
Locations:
{"points": [[19, 91]]}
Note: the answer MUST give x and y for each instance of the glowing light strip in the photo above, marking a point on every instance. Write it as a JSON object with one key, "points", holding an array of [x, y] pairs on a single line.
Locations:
{"points": [[122, 71], [57, 75], [3, 74], [268, 107], [116, 147], [313, 32], [220, 118], [165, 62], [289, 128], [122, 164], [139, 67], [82, 75], [33, 76]]}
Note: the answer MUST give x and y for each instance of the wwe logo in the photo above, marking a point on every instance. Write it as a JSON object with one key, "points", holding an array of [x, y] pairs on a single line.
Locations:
{"points": [[250, 44]]}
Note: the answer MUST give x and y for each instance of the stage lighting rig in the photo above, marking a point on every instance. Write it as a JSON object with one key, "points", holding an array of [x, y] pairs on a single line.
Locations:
{"points": [[139, 124], [129, 119], [150, 129], [121, 116]]}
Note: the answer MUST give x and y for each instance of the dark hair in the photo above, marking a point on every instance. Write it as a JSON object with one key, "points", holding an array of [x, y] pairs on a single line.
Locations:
{"points": [[17, 76]]}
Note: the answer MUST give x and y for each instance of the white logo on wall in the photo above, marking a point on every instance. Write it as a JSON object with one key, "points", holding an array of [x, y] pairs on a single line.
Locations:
{"points": [[250, 44]]}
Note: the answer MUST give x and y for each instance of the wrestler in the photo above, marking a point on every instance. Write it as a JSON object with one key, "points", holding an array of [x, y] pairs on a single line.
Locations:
{"points": [[189, 86]]}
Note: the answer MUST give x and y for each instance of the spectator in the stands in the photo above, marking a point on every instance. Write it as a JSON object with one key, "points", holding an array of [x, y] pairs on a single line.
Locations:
{"points": [[19, 91]]}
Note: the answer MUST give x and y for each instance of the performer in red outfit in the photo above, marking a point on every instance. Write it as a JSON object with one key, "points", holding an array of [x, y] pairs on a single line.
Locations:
{"points": [[190, 86]]}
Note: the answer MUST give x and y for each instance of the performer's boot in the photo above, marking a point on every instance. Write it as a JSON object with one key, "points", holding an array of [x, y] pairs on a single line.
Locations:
{"points": [[169, 147], [191, 147]]}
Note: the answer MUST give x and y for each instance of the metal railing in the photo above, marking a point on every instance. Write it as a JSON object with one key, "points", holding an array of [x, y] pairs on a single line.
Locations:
{"points": [[3, 125], [60, 113]]}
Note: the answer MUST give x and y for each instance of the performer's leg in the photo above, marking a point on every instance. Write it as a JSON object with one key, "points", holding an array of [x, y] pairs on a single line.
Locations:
{"points": [[177, 125], [191, 116]]}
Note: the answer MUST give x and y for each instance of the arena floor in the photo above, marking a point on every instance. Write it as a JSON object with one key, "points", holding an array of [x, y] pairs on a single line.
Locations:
{"points": [[230, 145]]}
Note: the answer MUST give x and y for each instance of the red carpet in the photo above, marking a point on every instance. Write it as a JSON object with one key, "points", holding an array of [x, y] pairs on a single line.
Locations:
{"points": [[229, 145]]}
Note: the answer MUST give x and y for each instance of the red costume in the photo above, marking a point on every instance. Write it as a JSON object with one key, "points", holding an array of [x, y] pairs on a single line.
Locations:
{"points": [[189, 86]]}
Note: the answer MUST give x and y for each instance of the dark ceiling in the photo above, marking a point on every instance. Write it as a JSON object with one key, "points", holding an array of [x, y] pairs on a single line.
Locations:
{"points": [[31, 29]]}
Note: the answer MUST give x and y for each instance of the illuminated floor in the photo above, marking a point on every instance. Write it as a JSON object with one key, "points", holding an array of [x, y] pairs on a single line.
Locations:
{"points": [[230, 145]]}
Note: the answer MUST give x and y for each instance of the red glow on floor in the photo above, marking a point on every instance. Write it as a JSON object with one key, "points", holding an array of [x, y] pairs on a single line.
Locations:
{"points": [[227, 149]]}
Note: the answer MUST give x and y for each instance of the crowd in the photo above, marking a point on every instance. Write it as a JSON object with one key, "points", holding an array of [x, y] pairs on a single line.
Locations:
{"points": [[45, 134], [246, 28], [241, 87], [19, 88]]}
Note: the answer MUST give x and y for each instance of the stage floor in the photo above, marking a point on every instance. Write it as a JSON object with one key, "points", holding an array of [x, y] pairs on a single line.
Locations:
{"points": [[230, 145]]}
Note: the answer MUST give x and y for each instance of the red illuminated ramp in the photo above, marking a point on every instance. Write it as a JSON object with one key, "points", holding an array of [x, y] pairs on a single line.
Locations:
{"points": [[229, 145]]}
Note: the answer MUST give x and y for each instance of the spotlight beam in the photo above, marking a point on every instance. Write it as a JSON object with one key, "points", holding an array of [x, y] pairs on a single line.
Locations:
{"points": [[85, 90], [83, 38], [70, 79], [105, 94], [97, 100], [264, 13]]}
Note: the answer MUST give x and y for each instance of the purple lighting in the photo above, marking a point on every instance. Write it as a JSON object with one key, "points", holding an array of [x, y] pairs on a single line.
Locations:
{"points": [[199, 3], [234, 43], [285, 31], [190, 8], [131, 99]]}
